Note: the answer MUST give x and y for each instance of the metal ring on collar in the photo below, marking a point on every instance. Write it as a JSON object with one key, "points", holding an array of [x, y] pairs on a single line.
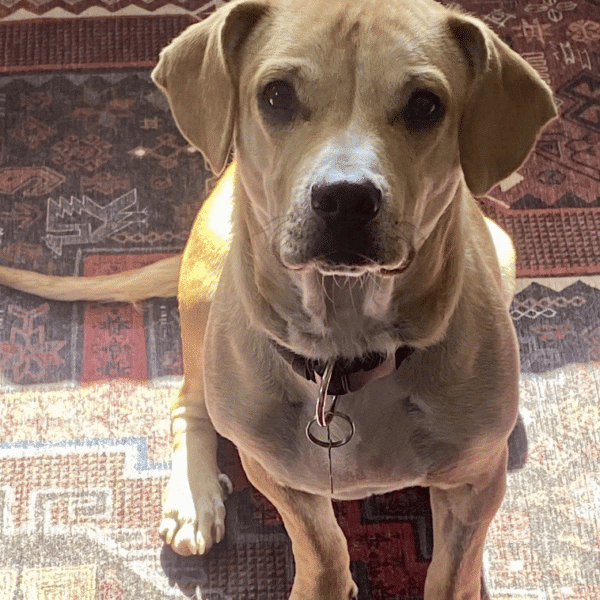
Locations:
{"points": [[330, 443]]}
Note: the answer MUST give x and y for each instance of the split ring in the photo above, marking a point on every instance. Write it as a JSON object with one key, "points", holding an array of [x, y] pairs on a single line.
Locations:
{"points": [[330, 443]]}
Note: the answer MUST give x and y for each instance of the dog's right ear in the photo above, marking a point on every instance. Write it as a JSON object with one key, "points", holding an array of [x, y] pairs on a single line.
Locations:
{"points": [[197, 71]]}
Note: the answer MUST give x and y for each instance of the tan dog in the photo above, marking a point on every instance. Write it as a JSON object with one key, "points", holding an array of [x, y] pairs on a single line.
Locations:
{"points": [[361, 129]]}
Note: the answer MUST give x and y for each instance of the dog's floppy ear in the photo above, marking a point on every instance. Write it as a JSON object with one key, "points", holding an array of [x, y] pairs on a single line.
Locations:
{"points": [[505, 110], [197, 71]]}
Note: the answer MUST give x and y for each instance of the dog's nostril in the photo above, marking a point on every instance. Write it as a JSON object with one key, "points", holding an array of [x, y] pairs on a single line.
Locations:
{"points": [[326, 204], [345, 201]]}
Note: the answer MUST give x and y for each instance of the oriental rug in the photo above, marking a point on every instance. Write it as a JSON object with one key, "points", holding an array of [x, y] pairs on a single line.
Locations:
{"points": [[95, 178]]}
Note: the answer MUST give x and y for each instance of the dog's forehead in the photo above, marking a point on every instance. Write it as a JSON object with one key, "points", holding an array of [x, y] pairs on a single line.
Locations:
{"points": [[359, 31], [348, 21]]}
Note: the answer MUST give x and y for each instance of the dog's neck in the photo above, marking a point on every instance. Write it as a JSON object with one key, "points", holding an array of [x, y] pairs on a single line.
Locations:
{"points": [[323, 316]]}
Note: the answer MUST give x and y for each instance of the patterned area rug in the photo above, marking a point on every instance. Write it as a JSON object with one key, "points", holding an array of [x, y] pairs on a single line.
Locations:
{"points": [[95, 178]]}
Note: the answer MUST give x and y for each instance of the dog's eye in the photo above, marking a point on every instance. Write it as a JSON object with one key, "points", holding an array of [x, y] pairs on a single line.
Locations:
{"points": [[278, 101], [424, 109]]}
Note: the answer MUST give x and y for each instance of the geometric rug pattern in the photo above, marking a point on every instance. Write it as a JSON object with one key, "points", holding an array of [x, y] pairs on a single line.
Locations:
{"points": [[95, 178]]}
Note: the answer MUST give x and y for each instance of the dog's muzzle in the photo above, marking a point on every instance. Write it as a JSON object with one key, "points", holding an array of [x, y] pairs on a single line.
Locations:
{"points": [[348, 235]]}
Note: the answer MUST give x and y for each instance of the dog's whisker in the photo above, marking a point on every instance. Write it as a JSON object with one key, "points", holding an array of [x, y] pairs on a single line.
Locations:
{"points": [[327, 294], [364, 280], [352, 301], [270, 228]]}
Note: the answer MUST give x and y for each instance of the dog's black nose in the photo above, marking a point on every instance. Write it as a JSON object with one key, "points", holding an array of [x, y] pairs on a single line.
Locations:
{"points": [[346, 202]]}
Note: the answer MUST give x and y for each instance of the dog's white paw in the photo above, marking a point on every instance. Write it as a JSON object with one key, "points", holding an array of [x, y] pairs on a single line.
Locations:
{"points": [[193, 515]]}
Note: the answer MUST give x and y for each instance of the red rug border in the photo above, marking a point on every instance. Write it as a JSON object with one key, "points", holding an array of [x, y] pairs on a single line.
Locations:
{"points": [[21, 59]]}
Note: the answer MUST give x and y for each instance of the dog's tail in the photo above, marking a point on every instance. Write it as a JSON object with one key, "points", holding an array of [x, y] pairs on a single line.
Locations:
{"points": [[158, 279]]}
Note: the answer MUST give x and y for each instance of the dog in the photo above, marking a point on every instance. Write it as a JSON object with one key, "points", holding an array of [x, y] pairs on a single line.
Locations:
{"points": [[350, 331]]}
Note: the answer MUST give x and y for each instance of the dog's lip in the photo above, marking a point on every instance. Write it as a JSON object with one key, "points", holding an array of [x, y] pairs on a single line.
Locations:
{"points": [[329, 267], [348, 263], [343, 258], [403, 265], [341, 269], [345, 262]]}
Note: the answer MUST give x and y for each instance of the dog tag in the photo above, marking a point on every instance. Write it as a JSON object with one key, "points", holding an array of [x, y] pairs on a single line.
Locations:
{"points": [[325, 417], [330, 443]]}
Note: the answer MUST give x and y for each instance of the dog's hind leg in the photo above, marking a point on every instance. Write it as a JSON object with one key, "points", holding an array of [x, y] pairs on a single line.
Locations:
{"points": [[461, 517], [319, 546]]}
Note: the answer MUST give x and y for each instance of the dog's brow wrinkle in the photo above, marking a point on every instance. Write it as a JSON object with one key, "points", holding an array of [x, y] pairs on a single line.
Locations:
{"points": [[344, 31], [280, 67]]}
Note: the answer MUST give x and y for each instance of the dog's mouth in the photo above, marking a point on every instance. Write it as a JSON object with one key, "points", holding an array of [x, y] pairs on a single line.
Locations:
{"points": [[351, 264], [346, 262], [347, 249]]}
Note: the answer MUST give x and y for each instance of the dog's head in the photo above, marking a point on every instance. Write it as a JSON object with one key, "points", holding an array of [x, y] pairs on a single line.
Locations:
{"points": [[355, 124]]}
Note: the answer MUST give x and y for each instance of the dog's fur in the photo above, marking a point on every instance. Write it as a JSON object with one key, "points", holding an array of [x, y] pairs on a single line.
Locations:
{"points": [[423, 269]]}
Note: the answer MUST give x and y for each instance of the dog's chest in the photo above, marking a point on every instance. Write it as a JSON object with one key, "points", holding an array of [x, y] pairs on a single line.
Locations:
{"points": [[382, 455]]}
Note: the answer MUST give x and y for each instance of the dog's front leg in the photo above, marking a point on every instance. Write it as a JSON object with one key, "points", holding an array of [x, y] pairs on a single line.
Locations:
{"points": [[319, 546], [193, 516], [461, 517]]}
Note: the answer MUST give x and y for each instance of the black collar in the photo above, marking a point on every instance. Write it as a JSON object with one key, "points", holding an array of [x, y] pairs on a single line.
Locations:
{"points": [[348, 375]]}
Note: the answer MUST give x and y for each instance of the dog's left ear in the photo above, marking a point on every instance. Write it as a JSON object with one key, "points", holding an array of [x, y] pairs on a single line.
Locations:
{"points": [[198, 73], [506, 108]]}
